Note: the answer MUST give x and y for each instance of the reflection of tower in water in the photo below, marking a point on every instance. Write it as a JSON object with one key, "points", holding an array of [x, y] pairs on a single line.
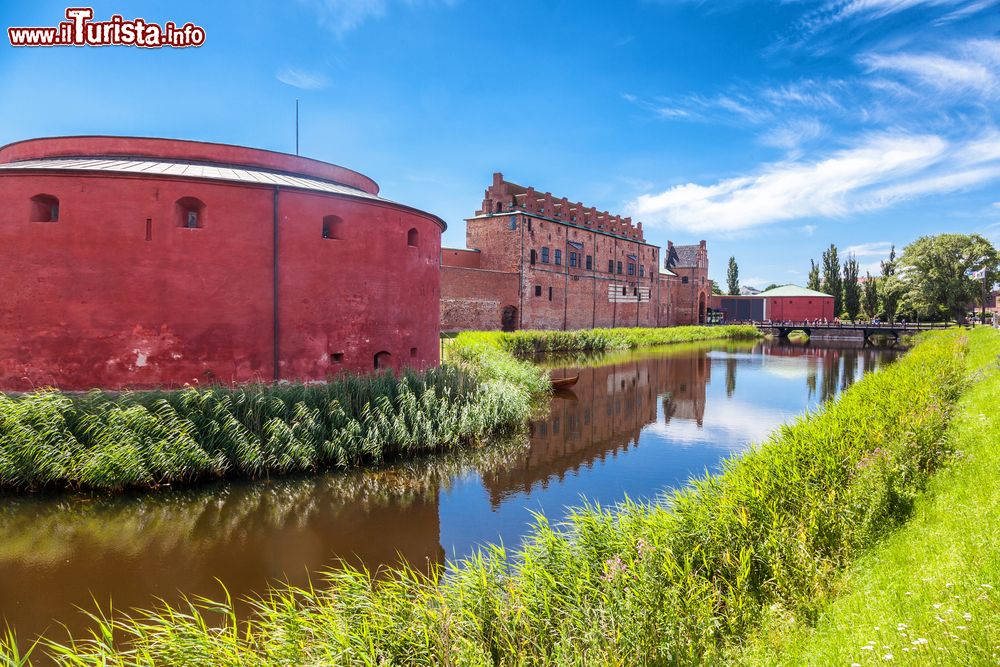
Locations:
{"points": [[685, 382], [604, 414]]}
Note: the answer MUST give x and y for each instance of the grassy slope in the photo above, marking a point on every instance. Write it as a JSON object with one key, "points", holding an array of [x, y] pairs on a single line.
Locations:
{"points": [[929, 594], [637, 585]]}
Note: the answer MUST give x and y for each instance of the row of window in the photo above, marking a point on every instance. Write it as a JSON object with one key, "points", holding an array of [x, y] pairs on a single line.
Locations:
{"points": [[635, 291], [578, 259], [190, 214]]}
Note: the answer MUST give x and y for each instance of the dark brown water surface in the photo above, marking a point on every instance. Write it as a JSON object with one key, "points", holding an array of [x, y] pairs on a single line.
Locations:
{"points": [[635, 424]]}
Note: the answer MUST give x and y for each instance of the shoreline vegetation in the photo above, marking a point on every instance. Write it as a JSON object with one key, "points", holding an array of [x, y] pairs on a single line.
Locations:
{"points": [[689, 578], [110, 442]]}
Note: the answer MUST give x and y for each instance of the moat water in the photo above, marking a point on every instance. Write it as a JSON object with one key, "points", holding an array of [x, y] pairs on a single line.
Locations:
{"points": [[634, 425]]}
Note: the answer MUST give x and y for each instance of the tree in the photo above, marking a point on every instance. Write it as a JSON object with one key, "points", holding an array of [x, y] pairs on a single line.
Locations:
{"points": [[813, 283], [852, 291], [715, 287], [869, 296], [733, 277], [771, 286], [832, 284], [889, 287], [934, 274]]}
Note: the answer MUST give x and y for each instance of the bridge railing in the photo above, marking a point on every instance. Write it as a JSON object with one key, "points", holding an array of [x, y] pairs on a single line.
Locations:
{"points": [[814, 324]]}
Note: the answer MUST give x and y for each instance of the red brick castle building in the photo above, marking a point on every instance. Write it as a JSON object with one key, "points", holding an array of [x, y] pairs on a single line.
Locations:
{"points": [[535, 261]]}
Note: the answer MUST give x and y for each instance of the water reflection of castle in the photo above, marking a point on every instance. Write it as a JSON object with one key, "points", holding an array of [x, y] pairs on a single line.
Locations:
{"points": [[610, 405], [604, 414]]}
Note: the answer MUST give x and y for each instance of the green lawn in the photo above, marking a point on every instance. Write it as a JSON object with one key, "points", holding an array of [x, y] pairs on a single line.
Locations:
{"points": [[930, 593]]}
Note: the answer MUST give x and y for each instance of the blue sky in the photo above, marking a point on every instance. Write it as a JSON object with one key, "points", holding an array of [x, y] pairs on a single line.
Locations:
{"points": [[769, 129]]}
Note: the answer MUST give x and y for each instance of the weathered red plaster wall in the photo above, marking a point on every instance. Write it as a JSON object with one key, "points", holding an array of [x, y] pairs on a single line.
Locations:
{"points": [[469, 259], [88, 302], [473, 299], [799, 308]]}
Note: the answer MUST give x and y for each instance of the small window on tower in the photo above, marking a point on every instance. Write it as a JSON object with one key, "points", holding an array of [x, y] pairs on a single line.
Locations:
{"points": [[550, 294], [337, 357], [412, 237], [684, 280], [190, 213], [533, 257], [538, 290], [333, 227], [44, 208]]}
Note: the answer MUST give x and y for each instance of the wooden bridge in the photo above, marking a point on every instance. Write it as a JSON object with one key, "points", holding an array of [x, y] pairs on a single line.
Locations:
{"points": [[849, 330]]}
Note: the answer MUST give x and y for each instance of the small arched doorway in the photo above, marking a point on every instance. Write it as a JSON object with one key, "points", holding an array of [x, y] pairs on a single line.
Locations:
{"points": [[508, 318], [701, 308], [383, 360]]}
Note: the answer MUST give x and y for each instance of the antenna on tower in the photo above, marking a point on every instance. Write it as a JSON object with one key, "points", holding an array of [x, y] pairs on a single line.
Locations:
{"points": [[296, 126]]}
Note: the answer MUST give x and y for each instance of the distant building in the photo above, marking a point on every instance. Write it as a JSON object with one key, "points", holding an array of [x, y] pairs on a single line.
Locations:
{"points": [[535, 261], [788, 302], [747, 290]]}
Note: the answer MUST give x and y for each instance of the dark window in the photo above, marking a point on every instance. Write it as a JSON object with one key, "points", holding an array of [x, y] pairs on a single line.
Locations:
{"points": [[513, 223], [499, 206], [382, 359], [533, 257], [624, 290], [190, 213], [545, 255], [412, 237], [558, 257], [631, 269], [337, 357], [538, 290], [44, 208], [413, 352], [529, 224], [635, 291], [333, 227], [684, 280], [611, 266], [572, 258], [550, 294], [619, 268], [642, 271], [149, 229], [590, 262]]}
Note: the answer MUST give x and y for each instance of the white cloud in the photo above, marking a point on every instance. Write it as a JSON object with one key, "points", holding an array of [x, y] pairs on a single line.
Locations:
{"points": [[879, 171], [302, 79], [792, 135], [342, 16], [937, 71], [873, 249]]}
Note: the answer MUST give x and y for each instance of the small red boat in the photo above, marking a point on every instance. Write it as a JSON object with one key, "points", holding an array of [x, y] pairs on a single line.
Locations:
{"points": [[563, 383]]}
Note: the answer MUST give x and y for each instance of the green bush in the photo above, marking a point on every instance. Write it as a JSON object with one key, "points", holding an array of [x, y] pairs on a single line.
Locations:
{"points": [[146, 439]]}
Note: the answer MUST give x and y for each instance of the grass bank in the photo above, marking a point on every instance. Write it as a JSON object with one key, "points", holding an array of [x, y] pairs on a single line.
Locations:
{"points": [[110, 442], [101, 441], [930, 593], [683, 580], [525, 344]]}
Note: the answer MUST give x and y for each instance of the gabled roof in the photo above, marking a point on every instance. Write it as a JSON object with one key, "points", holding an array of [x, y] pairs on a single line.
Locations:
{"points": [[682, 256], [793, 290]]}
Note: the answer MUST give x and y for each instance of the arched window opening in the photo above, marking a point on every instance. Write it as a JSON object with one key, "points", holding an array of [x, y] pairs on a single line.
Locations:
{"points": [[382, 360], [44, 208], [499, 206], [190, 213], [333, 227], [412, 237]]}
